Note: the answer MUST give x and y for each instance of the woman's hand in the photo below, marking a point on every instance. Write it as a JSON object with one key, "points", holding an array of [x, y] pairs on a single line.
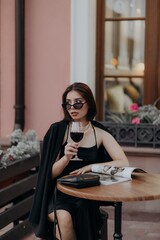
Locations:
{"points": [[71, 150], [82, 170]]}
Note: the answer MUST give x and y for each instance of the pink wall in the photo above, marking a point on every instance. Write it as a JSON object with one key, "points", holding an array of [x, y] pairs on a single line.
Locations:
{"points": [[7, 66], [47, 63]]}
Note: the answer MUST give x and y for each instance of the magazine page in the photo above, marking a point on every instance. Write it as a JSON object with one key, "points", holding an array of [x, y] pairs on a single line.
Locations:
{"points": [[109, 179], [123, 172]]}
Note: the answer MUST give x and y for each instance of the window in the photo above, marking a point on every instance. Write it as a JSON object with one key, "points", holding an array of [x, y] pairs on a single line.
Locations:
{"points": [[124, 63]]}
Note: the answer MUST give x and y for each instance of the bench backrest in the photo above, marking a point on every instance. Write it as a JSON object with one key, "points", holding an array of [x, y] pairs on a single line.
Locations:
{"points": [[17, 184]]}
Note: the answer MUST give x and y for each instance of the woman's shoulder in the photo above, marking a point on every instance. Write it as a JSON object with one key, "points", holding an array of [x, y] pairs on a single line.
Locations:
{"points": [[100, 126], [101, 132]]}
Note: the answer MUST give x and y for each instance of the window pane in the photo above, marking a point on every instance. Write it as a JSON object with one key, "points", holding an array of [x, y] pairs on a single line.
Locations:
{"points": [[120, 93], [125, 8], [124, 48]]}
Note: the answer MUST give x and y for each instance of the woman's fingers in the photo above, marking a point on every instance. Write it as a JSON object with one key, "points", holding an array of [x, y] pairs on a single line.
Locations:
{"points": [[71, 150], [82, 170]]}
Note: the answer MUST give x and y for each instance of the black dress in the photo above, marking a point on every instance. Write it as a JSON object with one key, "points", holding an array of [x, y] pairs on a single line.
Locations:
{"points": [[85, 214]]}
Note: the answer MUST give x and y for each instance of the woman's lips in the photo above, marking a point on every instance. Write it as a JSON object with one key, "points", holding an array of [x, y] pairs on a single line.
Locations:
{"points": [[74, 114]]}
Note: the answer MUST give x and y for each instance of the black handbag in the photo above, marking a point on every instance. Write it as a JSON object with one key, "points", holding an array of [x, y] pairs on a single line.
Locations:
{"points": [[80, 181]]}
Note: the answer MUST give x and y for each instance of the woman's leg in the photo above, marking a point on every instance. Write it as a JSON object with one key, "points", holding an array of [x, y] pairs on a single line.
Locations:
{"points": [[65, 224]]}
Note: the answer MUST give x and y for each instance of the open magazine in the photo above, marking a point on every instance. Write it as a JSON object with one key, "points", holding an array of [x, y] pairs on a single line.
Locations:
{"points": [[112, 174]]}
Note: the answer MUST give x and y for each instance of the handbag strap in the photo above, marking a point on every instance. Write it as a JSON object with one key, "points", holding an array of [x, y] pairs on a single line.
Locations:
{"points": [[55, 215]]}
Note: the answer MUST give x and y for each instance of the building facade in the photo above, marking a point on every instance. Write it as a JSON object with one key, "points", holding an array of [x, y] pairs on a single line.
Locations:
{"points": [[59, 48]]}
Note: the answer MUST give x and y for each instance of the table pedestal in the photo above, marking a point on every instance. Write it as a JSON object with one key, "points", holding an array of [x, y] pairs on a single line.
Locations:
{"points": [[118, 221]]}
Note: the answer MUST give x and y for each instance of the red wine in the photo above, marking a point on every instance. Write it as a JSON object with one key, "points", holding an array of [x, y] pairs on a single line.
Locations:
{"points": [[76, 136]]}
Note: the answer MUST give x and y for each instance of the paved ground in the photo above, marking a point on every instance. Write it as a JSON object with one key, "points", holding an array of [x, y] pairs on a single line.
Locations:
{"points": [[140, 222], [133, 230], [146, 228]]}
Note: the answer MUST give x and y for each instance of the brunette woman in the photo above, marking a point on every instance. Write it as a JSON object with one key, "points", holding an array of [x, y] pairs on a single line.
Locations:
{"points": [[79, 219]]}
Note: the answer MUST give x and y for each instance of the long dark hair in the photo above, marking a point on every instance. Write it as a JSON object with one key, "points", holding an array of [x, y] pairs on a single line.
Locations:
{"points": [[84, 90]]}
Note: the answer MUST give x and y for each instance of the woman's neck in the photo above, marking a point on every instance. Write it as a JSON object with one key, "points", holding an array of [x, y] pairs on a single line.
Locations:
{"points": [[85, 126]]}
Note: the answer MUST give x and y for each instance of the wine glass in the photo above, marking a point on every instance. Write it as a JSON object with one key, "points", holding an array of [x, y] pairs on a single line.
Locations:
{"points": [[76, 135]]}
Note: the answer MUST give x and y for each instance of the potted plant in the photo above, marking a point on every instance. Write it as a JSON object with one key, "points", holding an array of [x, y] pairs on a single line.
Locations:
{"points": [[140, 126], [23, 146]]}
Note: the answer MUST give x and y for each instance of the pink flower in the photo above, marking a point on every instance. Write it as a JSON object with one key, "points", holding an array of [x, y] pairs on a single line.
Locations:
{"points": [[134, 107], [11, 158], [136, 120]]}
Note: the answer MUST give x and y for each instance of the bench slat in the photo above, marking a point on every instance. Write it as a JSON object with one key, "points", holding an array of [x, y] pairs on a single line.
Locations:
{"points": [[15, 212], [19, 231], [16, 189]]}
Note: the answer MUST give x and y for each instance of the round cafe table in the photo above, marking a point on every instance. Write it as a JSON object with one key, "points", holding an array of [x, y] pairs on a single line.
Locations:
{"points": [[142, 187]]}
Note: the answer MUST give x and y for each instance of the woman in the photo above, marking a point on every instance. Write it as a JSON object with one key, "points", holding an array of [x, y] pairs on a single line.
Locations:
{"points": [[79, 219]]}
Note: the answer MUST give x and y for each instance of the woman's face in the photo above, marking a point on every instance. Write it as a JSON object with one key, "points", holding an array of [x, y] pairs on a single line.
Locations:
{"points": [[77, 114]]}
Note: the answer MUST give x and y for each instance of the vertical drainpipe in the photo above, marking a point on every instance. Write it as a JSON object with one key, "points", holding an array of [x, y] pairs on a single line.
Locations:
{"points": [[19, 52]]}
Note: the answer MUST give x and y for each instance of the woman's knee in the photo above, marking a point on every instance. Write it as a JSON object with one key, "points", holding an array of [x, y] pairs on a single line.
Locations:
{"points": [[64, 218], [65, 224]]}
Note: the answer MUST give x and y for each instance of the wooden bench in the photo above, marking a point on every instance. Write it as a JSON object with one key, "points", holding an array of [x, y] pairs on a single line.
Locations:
{"points": [[17, 184]]}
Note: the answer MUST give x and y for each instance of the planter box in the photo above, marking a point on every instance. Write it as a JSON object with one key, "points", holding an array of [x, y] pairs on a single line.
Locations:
{"points": [[17, 184], [138, 135]]}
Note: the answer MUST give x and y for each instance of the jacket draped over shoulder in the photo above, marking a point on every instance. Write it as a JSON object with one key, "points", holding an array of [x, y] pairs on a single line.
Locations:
{"points": [[52, 143]]}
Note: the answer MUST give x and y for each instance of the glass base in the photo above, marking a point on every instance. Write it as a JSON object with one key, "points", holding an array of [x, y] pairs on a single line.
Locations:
{"points": [[76, 158]]}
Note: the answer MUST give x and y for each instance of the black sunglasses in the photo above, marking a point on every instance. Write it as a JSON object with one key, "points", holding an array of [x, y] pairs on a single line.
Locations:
{"points": [[77, 105]]}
